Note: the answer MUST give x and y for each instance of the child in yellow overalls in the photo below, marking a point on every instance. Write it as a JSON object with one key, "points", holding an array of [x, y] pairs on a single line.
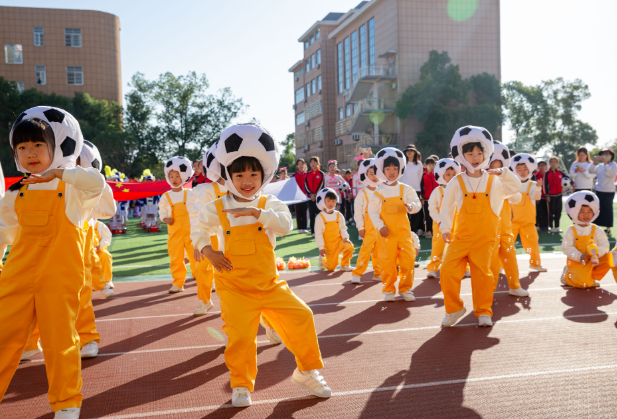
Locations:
{"points": [[505, 251], [247, 281], [478, 197], [524, 212], [42, 217], [174, 209], [445, 170], [583, 268], [331, 235], [366, 175], [102, 242], [388, 209]]}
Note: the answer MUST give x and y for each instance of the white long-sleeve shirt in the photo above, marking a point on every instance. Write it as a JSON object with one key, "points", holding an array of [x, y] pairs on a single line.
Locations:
{"points": [[582, 180], [416, 242], [106, 207], [276, 220], [320, 226], [357, 185], [568, 245], [505, 184], [176, 197], [413, 175], [434, 202], [606, 176], [204, 194], [105, 235], [360, 207], [410, 197], [535, 193], [82, 192]]}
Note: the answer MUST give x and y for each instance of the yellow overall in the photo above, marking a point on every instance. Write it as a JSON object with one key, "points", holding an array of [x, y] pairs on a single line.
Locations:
{"points": [[42, 281], [473, 241], [85, 323], [369, 246], [397, 249], [437, 244], [504, 249], [179, 241], [334, 244], [581, 275], [205, 272], [524, 223], [253, 287], [105, 259]]}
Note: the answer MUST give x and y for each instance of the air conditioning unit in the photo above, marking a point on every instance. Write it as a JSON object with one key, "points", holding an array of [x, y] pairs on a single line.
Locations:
{"points": [[306, 148], [394, 86], [318, 65], [338, 142], [319, 91], [356, 137], [294, 106], [308, 123], [297, 78], [320, 144]]}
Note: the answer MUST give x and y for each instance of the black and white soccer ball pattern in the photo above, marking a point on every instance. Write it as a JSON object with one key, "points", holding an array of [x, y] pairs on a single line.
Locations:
{"points": [[501, 153], [471, 134], [566, 183], [90, 156], [381, 157], [250, 140], [181, 165], [211, 164], [577, 200], [69, 140], [363, 168], [526, 159], [442, 166], [320, 199]]}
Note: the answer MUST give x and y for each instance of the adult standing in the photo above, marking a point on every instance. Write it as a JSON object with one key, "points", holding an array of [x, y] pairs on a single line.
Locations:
{"points": [[579, 171], [302, 207], [605, 169], [413, 177], [314, 181]]}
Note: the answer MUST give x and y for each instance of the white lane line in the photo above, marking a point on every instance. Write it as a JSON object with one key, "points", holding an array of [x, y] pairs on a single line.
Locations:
{"points": [[373, 390]]}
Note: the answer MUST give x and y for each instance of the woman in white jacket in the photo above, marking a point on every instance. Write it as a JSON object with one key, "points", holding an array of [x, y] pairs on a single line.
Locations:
{"points": [[579, 171], [412, 177], [605, 169]]}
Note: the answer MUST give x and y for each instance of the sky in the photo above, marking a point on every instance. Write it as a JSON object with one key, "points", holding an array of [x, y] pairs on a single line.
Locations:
{"points": [[249, 46]]}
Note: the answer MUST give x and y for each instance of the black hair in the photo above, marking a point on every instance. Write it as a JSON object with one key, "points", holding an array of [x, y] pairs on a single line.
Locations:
{"points": [[469, 147], [32, 130], [246, 163], [315, 158], [300, 160], [416, 156], [429, 160], [391, 161], [331, 195]]}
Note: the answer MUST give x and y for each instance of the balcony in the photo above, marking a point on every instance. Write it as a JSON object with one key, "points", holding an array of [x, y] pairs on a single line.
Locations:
{"points": [[370, 104], [311, 136], [343, 126], [363, 80], [313, 110], [379, 141]]}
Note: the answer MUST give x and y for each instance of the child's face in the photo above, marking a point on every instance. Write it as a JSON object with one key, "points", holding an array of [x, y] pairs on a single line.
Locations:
{"points": [[474, 157], [542, 167], [330, 203], [410, 155], [522, 171], [247, 182], [300, 166], [553, 163], [175, 179], [34, 157], [314, 165], [348, 176], [370, 173], [496, 164], [430, 167], [450, 173], [391, 173], [331, 168], [283, 175], [585, 214]]}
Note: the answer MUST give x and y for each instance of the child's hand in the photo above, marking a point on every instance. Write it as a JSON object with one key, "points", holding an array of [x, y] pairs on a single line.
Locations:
{"points": [[539, 182], [585, 258], [497, 172], [361, 233], [217, 259], [347, 241], [446, 237], [47, 177], [408, 207], [197, 255], [322, 252], [244, 212], [313, 197], [384, 231], [168, 221], [548, 199]]}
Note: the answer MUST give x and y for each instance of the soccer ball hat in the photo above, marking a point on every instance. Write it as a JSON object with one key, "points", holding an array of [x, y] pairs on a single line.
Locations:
{"points": [[471, 134]]}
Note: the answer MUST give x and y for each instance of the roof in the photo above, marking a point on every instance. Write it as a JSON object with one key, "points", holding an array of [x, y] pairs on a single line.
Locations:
{"points": [[354, 14], [333, 16], [292, 69]]}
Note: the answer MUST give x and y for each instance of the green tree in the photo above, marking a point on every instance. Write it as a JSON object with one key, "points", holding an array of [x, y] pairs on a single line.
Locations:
{"points": [[288, 153], [442, 101]]}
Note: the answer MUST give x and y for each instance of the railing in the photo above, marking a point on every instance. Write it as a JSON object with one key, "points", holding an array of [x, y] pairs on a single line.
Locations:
{"points": [[369, 104], [313, 110], [370, 70], [373, 140], [343, 126], [313, 136], [300, 140]]}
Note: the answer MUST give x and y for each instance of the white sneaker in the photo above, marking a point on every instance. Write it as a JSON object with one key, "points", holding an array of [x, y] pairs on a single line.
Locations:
{"points": [[213, 289], [389, 296], [355, 279], [519, 292], [467, 274], [271, 334], [557, 230], [360, 238], [346, 268], [376, 278], [241, 397], [563, 275], [320, 264], [68, 413], [429, 235], [451, 318], [538, 268], [107, 292], [420, 232], [485, 321], [175, 289], [407, 295], [431, 274], [596, 283], [501, 271], [110, 284], [30, 354], [313, 234], [312, 382], [202, 308], [90, 350]]}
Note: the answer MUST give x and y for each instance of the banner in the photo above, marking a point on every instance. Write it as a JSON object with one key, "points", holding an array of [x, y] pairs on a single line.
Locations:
{"points": [[287, 191]]}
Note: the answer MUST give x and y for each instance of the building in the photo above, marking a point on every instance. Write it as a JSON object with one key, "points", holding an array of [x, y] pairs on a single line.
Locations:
{"points": [[357, 64], [62, 51]]}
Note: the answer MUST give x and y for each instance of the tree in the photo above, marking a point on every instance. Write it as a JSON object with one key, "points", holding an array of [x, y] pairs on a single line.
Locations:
{"points": [[548, 112], [443, 102], [288, 154]]}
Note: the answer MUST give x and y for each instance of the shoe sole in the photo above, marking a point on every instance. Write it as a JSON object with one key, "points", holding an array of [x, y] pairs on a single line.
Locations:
{"points": [[485, 325], [89, 356], [455, 320], [303, 387], [175, 292], [244, 405]]}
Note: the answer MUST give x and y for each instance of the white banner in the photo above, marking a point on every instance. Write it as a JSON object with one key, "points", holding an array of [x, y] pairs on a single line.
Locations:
{"points": [[287, 191]]}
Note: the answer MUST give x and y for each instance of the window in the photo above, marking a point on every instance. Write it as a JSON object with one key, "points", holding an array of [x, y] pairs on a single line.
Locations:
{"points": [[313, 63], [371, 42], [339, 52], [298, 73], [314, 86], [347, 64], [354, 55], [72, 37], [355, 108], [318, 34], [362, 46], [341, 113], [306, 44], [74, 75], [318, 56], [318, 83], [308, 89], [300, 95], [307, 65], [40, 75], [312, 39], [300, 118], [39, 36], [13, 54], [19, 85], [348, 110]]}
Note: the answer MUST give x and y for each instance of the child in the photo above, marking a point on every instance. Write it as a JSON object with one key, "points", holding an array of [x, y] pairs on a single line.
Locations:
{"points": [[505, 251], [174, 211], [427, 186], [445, 171], [283, 173], [552, 181], [313, 183], [334, 181], [366, 230], [478, 197], [542, 204], [349, 202], [103, 241], [247, 281], [524, 211], [331, 235], [388, 209], [584, 270], [42, 218], [301, 208]]}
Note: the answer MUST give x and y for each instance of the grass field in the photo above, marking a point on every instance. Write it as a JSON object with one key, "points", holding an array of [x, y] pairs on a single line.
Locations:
{"points": [[139, 253]]}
